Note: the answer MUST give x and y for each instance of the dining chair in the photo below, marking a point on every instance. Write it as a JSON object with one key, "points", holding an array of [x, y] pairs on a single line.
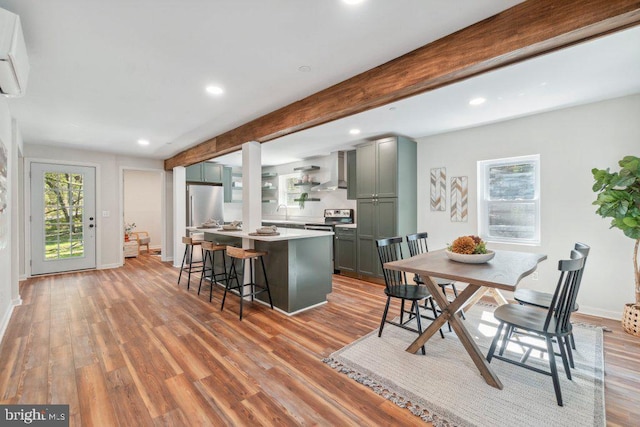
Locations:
{"points": [[543, 299], [396, 286], [417, 243], [550, 324]]}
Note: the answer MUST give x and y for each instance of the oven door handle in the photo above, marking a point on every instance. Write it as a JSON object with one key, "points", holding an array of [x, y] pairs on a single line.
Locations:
{"points": [[318, 228]]}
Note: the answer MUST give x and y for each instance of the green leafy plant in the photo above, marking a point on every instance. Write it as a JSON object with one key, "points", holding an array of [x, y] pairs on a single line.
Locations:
{"points": [[619, 199], [303, 198]]}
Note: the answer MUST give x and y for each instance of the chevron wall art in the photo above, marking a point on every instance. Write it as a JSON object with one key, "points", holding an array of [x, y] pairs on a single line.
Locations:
{"points": [[438, 189], [459, 199]]}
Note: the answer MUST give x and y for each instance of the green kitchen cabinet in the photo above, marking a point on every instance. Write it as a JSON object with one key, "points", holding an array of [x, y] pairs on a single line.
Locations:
{"points": [[377, 219], [351, 175], [205, 172], [377, 171], [346, 249], [386, 185]]}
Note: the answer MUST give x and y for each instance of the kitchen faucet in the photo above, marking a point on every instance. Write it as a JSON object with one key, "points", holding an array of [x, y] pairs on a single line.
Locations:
{"points": [[286, 211]]}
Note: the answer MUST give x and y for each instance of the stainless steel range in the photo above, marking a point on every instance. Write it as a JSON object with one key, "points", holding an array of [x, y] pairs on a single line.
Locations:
{"points": [[332, 217]]}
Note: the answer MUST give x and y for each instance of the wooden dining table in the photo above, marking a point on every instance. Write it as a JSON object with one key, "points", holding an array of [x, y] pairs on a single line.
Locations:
{"points": [[504, 271]]}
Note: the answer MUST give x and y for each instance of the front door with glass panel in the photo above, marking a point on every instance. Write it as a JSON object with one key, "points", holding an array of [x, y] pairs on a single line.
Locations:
{"points": [[63, 233]]}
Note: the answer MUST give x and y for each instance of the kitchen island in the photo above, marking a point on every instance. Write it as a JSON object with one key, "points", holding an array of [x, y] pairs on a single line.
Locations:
{"points": [[298, 263]]}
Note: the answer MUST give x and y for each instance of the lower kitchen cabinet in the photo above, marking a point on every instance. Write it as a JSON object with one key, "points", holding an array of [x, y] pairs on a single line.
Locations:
{"points": [[377, 219], [346, 250]]}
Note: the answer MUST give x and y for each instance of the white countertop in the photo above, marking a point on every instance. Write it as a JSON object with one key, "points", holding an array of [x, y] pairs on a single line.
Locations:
{"points": [[285, 234]]}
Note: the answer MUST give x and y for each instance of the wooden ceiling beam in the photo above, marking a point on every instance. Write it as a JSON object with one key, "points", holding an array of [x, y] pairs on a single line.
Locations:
{"points": [[522, 32]]}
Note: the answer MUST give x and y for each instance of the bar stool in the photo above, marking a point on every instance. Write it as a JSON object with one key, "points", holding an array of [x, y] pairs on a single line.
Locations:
{"points": [[192, 267], [209, 250], [251, 255]]}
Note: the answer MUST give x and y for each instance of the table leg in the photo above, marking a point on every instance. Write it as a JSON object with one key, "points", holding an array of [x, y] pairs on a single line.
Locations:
{"points": [[495, 294], [448, 309]]}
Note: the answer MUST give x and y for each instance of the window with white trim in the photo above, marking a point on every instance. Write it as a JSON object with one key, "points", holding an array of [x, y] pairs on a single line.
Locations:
{"points": [[287, 191], [509, 200]]}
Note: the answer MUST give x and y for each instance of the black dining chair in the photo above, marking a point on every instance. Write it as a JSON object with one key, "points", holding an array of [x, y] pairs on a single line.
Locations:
{"points": [[396, 286], [551, 324], [543, 299], [417, 243]]}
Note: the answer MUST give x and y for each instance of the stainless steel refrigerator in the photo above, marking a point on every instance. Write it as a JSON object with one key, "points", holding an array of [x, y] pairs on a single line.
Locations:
{"points": [[204, 202]]}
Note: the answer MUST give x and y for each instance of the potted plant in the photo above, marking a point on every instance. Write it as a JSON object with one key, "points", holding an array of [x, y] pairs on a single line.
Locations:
{"points": [[303, 198], [128, 229], [619, 199]]}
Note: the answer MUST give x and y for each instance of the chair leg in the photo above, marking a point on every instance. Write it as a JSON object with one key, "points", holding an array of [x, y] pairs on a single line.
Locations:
{"points": [[435, 314], [573, 342], [442, 287], [567, 360], [266, 282], [230, 276], [203, 275], [241, 289], [567, 345], [507, 336], [494, 343], [419, 323], [402, 313], [190, 266], [554, 371], [384, 316], [455, 293], [184, 257], [213, 274]]}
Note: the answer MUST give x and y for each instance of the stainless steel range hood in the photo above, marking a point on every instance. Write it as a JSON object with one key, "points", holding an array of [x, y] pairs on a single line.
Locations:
{"points": [[338, 173]]}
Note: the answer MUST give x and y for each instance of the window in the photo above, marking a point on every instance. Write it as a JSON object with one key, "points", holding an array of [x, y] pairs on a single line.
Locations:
{"points": [[509, 200], [287, 191]]}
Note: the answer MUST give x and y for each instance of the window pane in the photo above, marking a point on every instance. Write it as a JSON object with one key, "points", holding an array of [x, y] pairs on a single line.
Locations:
{"points": [[512, 182], [512, 220], [63, 215]]}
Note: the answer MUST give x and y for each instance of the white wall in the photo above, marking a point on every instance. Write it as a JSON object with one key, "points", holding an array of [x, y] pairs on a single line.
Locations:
{"points": [[108, 197], [8, 252], [570, 142], [143, 202], [312, 211]]}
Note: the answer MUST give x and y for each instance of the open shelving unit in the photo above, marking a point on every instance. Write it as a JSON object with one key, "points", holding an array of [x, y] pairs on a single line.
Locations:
{"points": [[269, 191]]}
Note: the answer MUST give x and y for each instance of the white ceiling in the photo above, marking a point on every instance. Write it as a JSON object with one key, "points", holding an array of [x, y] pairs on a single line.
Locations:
{"points": [[107, 73], [603, 68]]}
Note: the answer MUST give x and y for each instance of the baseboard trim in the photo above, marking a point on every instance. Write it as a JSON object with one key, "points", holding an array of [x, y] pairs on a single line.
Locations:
{"points": [[108, 266], [7, 316], [22, 278], [594, 311]]}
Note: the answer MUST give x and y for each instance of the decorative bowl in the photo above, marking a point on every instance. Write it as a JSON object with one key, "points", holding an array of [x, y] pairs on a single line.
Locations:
{"points": [[470, 258], [230, 227], [267, 230]]}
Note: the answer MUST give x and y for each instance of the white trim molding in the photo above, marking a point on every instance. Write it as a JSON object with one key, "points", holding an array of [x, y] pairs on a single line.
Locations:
{"points": [[7, 316]]}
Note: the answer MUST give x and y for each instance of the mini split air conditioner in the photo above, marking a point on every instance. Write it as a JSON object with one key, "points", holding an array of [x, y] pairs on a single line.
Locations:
{"points": [[14, 63]]}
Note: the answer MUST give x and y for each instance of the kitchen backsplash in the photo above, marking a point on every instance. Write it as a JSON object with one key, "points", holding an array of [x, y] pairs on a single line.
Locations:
{"points": [[313, 210]]}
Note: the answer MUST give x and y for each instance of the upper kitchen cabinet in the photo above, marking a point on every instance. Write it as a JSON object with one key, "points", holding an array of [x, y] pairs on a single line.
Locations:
{"points": [[351, 175], [377, 172], [232, 183], [204, 172]]}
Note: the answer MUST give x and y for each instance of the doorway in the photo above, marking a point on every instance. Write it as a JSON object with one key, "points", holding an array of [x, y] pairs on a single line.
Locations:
{"points": [[142, 209], [63, 210]]}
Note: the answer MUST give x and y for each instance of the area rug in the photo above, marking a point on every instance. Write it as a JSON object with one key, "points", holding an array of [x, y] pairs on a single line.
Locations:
{"points": [[445, 388]]}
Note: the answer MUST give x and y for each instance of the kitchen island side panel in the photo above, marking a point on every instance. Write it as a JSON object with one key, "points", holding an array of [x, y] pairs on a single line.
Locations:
{"points": [[299, 272]]}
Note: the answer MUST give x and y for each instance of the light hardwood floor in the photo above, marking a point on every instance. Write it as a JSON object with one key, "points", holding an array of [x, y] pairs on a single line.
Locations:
{"points": [[129, 347]]}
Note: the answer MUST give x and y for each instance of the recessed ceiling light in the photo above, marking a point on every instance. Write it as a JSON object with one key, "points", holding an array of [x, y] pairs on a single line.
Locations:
{"points": [[215, 90], [353, 1], [477, 101], [304, 68], [354, 131], [392, 108], [143, 141]]}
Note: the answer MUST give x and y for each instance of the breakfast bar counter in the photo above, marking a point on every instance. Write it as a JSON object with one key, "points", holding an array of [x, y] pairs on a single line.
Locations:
{"points": [[298, 262]]}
